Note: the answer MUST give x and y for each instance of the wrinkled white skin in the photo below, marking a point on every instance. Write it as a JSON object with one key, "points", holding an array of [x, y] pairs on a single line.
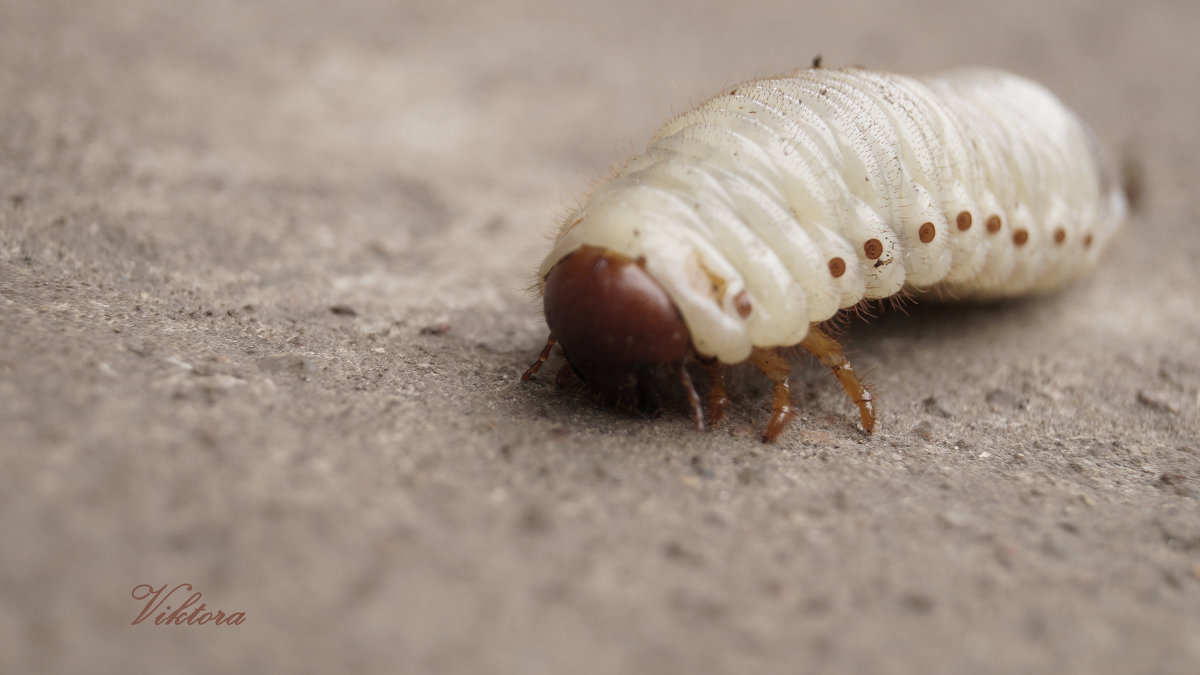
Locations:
{"points": [[759, 188]]}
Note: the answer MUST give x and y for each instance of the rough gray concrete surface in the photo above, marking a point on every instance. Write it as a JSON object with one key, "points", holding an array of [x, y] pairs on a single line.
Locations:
{"points": [[262, 317]]}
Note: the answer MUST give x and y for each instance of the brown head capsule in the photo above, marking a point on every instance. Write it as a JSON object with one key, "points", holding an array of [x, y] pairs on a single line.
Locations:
{"points": [[615, 324]]}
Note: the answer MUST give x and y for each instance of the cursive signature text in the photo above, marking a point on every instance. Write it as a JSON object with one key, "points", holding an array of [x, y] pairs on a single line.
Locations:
{"points": [[190, 611]]}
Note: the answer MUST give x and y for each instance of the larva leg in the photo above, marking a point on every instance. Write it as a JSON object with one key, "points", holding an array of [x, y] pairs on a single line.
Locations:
{"points": [[772, 363], [717, 400], [541, 360], [564, 375], [693, 397], [829, 352]]}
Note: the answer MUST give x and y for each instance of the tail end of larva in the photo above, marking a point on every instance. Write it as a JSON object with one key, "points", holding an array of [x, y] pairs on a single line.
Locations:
{"points": [[1133, 180]]}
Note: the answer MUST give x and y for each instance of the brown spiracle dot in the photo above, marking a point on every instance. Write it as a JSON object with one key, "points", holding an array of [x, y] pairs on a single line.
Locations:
{"points": [[927, 233], [963, 221], [1060, 235], [993, 224], [741, 302], [873, 248], [1020, 236], [837, 267], [1087, 241]]}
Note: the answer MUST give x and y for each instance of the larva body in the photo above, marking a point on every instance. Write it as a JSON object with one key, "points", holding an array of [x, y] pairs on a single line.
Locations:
{"points": [[766, 210]]}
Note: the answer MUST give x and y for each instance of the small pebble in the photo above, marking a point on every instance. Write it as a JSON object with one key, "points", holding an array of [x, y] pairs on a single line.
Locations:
{"points": [[924, 431], [1157, 401], [1006, 399], [284, 363], [934, 406], [1177, 483]]}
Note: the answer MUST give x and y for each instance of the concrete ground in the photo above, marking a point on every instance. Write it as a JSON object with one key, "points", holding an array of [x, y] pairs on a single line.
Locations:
{"points": [[262, 320]]}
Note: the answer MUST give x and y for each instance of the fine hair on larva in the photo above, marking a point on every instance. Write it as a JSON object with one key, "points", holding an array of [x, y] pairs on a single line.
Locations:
{"points": [[759, 215]]}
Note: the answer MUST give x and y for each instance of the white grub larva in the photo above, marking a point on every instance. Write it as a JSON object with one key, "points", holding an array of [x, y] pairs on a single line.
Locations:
{"points": [[761, 214]]}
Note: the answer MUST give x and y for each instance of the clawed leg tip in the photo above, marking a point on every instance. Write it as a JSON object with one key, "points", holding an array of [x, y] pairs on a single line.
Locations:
{"points": [[776, 428]]}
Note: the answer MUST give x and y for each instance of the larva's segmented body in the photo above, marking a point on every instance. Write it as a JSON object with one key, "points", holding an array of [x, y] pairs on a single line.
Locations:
{"points": [[769, 208]]}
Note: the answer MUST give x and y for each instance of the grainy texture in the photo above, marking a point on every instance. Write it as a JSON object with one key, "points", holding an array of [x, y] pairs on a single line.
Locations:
{"points": [[187, 190]]}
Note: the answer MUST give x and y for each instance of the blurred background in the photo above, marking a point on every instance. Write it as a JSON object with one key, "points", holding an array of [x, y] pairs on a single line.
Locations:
{"points": [[263, 309]]}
